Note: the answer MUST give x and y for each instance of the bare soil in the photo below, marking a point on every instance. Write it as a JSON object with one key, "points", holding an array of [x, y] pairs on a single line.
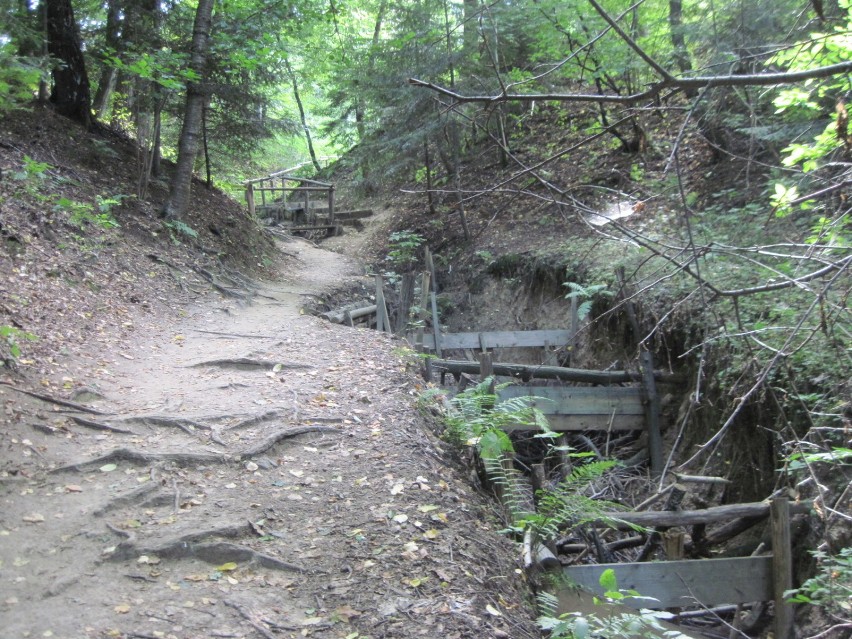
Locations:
{"points": [[264, 473], [186, 453]]}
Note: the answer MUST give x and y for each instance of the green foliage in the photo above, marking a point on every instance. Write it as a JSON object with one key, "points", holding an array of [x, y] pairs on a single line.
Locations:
{"points": [[577, 625], [178, 229], [586, 295], [10, 339], [84, 214], [32, 170], [402, 248], [831, 587], [19, 77]]}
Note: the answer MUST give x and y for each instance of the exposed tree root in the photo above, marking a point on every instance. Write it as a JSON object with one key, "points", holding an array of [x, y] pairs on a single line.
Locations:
{"points": [[255, 420], [152, 421], [223, 334], [254, 622], [55, 400], [190, 545], [247, 363], [274, 438], [88, 423], [136, 495], [126, 454]]}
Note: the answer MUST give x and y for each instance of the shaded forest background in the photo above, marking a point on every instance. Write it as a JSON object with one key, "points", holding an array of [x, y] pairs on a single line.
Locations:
{"points": [[722, 126]]}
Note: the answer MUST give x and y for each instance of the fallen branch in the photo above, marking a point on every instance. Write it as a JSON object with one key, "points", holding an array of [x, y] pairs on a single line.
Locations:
{"points": [[526, 372], [626, 520], [55, 400]]}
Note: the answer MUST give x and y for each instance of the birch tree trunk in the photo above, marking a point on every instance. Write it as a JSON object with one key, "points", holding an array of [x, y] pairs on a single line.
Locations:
{"points": [[191, 130]]}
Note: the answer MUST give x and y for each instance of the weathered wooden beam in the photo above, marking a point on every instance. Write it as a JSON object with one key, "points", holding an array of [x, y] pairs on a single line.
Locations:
{"points": [[691, 517], [502, 339], [782, 566], [574, 400], [526, 372], [684, 583]]}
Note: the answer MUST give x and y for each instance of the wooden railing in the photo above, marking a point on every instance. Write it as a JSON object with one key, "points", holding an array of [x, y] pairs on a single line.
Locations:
{"points": [[275, 192]]}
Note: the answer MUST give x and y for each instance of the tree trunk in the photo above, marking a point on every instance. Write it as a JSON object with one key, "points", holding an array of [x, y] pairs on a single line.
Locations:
{"points": [[302, 116], [109, 74], [681, 54], [70, 91], [195, 93]]}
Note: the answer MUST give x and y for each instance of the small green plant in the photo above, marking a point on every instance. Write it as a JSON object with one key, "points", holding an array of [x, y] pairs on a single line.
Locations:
{"points": [[576, 625], [402, 248], [586, 296], [178, 229], [10, 338], [84, 214], [831, 587], [32, 169]]}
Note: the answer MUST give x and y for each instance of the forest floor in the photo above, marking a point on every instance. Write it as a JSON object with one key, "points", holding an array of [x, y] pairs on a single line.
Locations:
{"points": [[186, 453], [247, 471]]}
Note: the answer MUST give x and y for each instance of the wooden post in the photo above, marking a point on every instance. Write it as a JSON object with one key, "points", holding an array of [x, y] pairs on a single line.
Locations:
{"points": [[782, 566], [307, 204], [406, 295], [424, 306], [430, 266], [382, 307], [575, 328], [486, 365], [436, 325], [250, 198], [262, 193], [331, 205]]}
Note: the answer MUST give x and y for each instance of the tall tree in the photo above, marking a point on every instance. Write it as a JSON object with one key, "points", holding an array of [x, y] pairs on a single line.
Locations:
{"points": [[70, 92], [190, 131]]}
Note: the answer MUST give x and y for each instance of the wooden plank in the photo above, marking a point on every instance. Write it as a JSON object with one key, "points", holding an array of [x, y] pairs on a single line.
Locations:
{"points": [[502, 339], [680, 583], [710, 515], [571, 400], [782, 566], [574, 423]]}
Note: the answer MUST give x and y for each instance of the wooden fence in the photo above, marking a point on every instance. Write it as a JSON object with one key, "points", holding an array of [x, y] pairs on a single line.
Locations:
{"points": [[297, 199]]}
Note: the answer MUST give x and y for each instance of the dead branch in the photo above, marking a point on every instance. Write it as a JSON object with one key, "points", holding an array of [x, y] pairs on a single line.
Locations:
{"points": [[678, 84], [54, 400]]}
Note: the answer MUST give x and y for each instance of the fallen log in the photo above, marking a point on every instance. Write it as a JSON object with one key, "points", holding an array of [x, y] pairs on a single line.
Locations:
{"points": [[338, 315], [626, 520], [525, 372]]}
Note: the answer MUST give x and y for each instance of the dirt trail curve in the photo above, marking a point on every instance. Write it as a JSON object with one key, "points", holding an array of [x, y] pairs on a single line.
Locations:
{"points": [[248, 472]]}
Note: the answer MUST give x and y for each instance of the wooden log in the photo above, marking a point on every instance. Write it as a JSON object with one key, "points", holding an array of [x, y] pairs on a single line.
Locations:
{"points": [[250, 199], [337, 316], [382, 305], [430, 266], [676, 495], [782, 566], [710, 515], [652, 414], [331, 205], [537, 557], [526, 372]]}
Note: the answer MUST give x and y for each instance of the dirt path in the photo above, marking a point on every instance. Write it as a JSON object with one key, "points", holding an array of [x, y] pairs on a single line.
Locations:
{"points": [[266, 475]]}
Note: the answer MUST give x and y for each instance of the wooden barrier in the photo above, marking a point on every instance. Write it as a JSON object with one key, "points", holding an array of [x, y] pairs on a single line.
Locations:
{"points": [[499, 339], [705, 582], [571, 408]]}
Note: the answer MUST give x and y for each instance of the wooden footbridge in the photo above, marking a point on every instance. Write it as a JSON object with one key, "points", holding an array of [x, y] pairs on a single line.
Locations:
{"points": [[298, 204]]}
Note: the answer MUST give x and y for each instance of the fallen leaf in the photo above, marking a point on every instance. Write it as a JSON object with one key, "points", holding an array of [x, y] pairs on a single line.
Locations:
{"points": [[401, 518], [411, 547], [226, 567], [34, 518], [431, 534], [73, 488], [397, 489], [122, 609], [493, 611], [346, 612], [108, 468], [427, 508]]}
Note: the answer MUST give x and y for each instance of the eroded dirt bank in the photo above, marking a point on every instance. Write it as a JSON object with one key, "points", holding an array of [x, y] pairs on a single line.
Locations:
{"points": [[249, 471]]}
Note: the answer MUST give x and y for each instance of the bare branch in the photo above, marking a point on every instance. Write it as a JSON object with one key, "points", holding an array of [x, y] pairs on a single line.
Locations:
{"points": [[680, 84]]}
